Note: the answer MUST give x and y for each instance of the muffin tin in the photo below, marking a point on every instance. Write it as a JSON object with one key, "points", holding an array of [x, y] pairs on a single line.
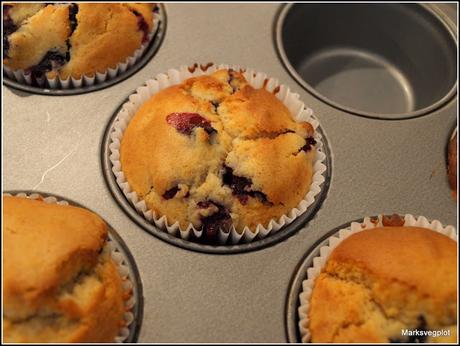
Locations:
{"points": [[54, 144]]}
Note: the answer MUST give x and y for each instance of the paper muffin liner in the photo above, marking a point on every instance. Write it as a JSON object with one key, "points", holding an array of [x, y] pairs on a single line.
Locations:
{"points": [[130, 294], [320, 261], [58, 83], [257, 80]]}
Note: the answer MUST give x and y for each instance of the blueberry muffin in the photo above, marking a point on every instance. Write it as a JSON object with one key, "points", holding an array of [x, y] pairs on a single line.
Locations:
{"points": [[452, 164], [72, 39], [59, 282], [217, 153], [379, 282]]}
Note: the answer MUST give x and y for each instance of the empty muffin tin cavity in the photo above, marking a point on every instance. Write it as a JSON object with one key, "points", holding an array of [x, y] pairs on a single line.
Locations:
{"points": [[390, 61]]}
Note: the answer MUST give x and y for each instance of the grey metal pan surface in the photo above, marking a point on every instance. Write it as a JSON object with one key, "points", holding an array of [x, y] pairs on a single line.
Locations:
{"points": [[54, 144]]}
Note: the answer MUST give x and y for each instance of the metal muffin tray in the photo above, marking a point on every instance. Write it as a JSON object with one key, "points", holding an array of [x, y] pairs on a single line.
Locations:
{"points": [[383, 165]]}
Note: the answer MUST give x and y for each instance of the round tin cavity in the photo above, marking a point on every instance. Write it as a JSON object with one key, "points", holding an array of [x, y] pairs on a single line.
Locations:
{"points": [[316, 257], [390, 61], [151, 228], [147, 55]]}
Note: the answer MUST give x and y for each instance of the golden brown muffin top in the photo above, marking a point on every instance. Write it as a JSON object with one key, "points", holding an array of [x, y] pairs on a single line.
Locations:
{"points": [[46, 245], [214, 145], [73, 39], [58, 283], [380, 281], [388, 251]]}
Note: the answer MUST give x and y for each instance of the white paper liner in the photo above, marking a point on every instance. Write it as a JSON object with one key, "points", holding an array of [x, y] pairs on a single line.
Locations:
{"points": [[58, 83], [120, 260], [320, 261], [257, 80]]}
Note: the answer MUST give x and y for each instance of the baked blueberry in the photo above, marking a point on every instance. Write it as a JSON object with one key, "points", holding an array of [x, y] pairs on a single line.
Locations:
{"points": [[310, 142], [8, 28], [73, 10], [186, 122], [52, 60], [218, 220], [142, 25], [241, 186], [91, 37]]}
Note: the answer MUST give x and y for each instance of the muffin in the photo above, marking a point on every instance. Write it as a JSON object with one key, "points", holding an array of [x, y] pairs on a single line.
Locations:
{"points": [[382, 281], [452, 164], [72, 40], [59, 281], [215, 153]]}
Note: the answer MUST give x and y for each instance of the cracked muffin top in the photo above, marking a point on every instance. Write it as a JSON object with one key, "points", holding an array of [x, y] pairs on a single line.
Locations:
{"points": [[215, 152], [72, 39], [59, 284], [379, 282]]}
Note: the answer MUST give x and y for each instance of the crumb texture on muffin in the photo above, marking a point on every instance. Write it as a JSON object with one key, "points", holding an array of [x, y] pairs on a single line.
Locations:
{"points": [[379, 282], [59, 282], [72, 39], [215, 145]]}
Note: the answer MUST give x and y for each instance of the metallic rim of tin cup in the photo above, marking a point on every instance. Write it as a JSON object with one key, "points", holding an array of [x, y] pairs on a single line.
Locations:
{"points": [[271, 239], [145, 58], [138, 310], [295, 286], [448, 25]]}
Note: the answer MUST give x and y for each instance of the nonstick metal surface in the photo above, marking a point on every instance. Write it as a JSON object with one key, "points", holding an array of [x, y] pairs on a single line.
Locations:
{"points": [[53, 144]]}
